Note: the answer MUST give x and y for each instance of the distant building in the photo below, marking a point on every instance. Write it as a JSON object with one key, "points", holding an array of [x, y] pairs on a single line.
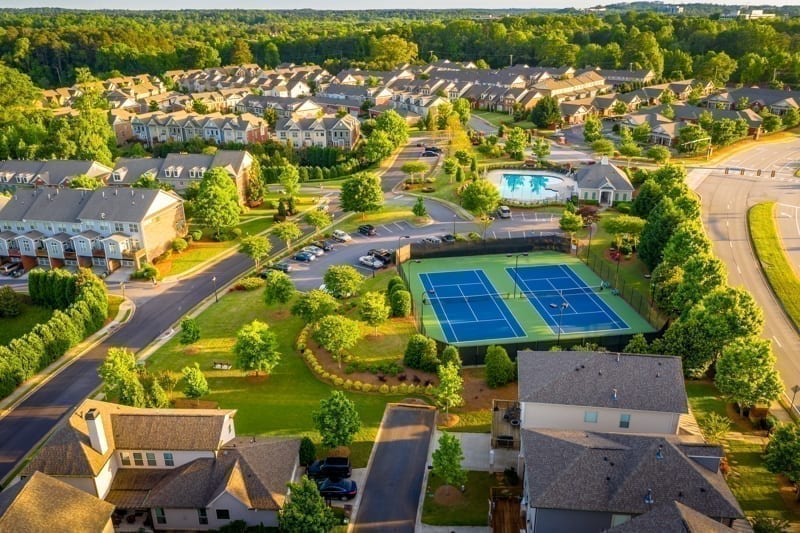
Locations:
{"points": [[339, 132], [604, 183]]}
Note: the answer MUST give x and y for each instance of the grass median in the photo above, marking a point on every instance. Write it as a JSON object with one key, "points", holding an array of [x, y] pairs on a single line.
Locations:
{"points": [[772, 257]]}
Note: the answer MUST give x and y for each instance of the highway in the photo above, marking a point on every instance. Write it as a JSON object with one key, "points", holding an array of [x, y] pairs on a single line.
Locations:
{"points": [[725, 201]]}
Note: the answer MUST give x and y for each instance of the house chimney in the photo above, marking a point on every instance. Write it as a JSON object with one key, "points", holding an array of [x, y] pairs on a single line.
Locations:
{"points": [[97, 435]]}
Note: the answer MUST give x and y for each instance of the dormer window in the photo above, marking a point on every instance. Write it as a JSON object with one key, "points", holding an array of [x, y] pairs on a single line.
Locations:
{"points": [[116, 176]]}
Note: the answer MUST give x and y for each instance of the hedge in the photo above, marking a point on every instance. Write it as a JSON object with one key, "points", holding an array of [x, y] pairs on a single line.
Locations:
{"points": [[81, 308]]}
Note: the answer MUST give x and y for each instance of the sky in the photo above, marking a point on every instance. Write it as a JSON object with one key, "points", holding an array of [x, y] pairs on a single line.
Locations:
{"points": [[333, 4]]}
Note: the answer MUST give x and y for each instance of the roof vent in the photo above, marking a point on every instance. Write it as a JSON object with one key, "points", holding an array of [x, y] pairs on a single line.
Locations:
{"points": [[577, 369], [614, 394], [658, 374], [600, 373], [660, 452], [617, 358], [648, 498], [102, 216]]}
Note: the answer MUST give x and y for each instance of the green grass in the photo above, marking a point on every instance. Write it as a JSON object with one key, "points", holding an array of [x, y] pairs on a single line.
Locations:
{"points": [[197, 254], [387, 213], [113, 305], [279, 405], [472, 511], [534, 325], [755, 488], [255, 225], [772, 257], [11, 328]]}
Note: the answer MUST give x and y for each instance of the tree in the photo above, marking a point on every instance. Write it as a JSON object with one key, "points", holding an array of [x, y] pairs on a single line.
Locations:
{"points": [[342, 280], [660, 225], [148, 181], [420, 353], [715, 66], [462, 107], [306, 510], [337, 420], [167, 380], [217, 202], [9, 302], [278, 288], [516, 141], [190, 331], [546, 113], [772, 123], [446, 461], [373, 309], [659, 154], [592, 129], [257, 247], [289, 179], [451, 387], [82, 181], [746, 373], [715, 427], [240, 52], [400, 301], [692, 139], [499, 367], [394, 126], [480, 196], [791, 118], [130, 391], [155, 396], [570, 223], [317, 218], [362, 193], [256, 348], [702, 274], [602, 147], [619, 108], [450, 355], [624, 225], [419, 208], [118, 366], [196, 385], [641, 133], [287, 231], [688, 240], [449, 165], [388, 51], [377, 147], [313, 305], [541, 149], [783, 452], [637, 344], [412, 168], [337, 334]]}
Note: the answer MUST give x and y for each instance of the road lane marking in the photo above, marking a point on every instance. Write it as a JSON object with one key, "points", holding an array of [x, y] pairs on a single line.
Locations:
{"points": [[738, 269], [777, 341]]}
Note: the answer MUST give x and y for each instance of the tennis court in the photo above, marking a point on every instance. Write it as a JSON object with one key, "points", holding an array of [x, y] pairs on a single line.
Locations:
{"points": [[468, 307], [475, 300], [564, 300]]}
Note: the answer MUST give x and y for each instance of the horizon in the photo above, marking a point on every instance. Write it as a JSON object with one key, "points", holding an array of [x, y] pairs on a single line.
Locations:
{"points": [[354, 5]]}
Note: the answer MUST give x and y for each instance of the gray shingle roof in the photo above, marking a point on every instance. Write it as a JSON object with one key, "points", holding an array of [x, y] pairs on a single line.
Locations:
{"points": [[131, 169], [42, 503], [643, 382], [595, 176], [613, 472], [118, 204], [671, 517]]}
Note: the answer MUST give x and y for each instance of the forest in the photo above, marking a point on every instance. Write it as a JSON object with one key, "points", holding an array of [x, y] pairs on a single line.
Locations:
{"points": [[48, 45]]}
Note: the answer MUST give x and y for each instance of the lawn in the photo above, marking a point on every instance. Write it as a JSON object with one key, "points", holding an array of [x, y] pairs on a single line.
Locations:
{"points": [[11, 328], [278, 405], [756, 489], [113, 305], [387, 213], [772, 257], [471, 511]]}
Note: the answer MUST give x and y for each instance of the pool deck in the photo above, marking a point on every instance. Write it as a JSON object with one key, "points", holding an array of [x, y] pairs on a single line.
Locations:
{"points": [[525, 195]]}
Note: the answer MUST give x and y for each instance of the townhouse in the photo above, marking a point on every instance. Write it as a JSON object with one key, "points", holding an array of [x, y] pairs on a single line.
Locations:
{"points": [[285, 107], [157, 127], [330, 130], [106, 228], [777, 102], [56, 173]]}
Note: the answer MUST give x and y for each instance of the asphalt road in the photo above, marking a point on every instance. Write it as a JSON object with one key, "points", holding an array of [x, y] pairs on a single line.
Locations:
{"points": [[725, 201], [391, 492]]}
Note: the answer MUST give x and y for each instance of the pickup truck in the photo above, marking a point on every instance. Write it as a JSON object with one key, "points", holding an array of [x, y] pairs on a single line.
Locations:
{"points": [[330, 467]]}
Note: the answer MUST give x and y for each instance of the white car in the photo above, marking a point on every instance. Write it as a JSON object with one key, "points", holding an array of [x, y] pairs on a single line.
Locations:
{"points": [[431, 240], [316, 250], [372, 262], [341, 236]]}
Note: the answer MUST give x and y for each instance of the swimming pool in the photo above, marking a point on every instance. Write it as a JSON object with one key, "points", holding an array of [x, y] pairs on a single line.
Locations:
{"points": [[524, 187]]}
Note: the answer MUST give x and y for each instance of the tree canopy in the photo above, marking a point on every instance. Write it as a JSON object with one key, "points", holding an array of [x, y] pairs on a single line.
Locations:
{"points": [[362, 193], [217, 203], [256, 348], [337, 420]]}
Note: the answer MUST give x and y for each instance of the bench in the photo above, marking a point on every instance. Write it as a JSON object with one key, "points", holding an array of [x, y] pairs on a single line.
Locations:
{"points": [[222, 365]]}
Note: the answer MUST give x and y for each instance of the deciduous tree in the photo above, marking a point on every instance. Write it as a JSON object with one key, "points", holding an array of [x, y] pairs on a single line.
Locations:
{"points": [[373, 309], [256, 348], [196, 385], [451, 387], [257, 247], [287, 231], [313, 305], [317, 218], [362, 193], [446, 461], [337, 334], [592, 129], [746, 373], [217, 202], [337, 420], [278, 288], [480, 196], [305, 511]]}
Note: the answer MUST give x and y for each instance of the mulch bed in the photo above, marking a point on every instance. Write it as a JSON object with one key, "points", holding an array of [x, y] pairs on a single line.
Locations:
{"points": [[448, 496]]}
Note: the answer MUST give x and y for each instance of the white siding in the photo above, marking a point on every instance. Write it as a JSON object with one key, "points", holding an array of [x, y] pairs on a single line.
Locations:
{"points": [[106, 477], [569, 417], [180, 457]]}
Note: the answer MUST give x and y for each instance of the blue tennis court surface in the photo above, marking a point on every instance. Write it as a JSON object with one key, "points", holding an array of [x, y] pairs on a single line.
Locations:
{"points": [[564, 300], [468, 307]]}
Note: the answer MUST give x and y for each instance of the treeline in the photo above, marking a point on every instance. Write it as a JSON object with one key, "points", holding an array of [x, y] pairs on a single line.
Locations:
{"points": [[81, 307], [49, 45]]}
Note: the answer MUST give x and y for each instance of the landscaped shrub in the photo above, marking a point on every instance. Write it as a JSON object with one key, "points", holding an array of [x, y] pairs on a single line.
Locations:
{"points": [[400, 302], [348, 384], [249, 284], [190, 331], [450, 355], [308, 452], [394, 283], [368, 387], [499, 367], [9, 302], [197, 235], [179, 245], [420, 351], [384, 389], [357, 385], [146, 272]]}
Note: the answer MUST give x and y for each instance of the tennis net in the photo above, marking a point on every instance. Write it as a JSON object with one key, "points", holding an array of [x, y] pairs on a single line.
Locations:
{"points": [[431, 298], [579, 291]]}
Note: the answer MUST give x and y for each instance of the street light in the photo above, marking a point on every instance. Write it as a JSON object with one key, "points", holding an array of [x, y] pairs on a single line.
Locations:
{"points": [[563, 306], [795, 390], [589, 247], [516, 265], [214, 281], [616, 279], [454, 224]]}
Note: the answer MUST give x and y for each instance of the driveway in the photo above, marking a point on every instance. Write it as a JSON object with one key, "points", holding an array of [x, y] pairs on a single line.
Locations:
{"points": [[390, 496]]}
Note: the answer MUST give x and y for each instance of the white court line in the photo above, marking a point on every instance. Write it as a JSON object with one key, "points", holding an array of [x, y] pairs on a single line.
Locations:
{"points": [[499, 309], [468, 305]]}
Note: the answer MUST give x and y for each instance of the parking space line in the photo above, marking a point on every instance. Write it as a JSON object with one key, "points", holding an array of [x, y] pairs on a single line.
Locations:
{"points": [[387, 229]]}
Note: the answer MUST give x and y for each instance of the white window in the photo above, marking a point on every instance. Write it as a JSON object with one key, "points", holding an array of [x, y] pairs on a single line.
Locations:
{"points": [[25, 244], [133, 228], [137, 459], [625, 421], [119, 226], [590, 417], [202, 516], [169, 460], [125, 458], [151, 459], [161, 518]]}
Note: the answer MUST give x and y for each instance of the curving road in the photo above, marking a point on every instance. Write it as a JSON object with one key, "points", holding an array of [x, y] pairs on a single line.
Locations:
{"points": [[726, 199]]}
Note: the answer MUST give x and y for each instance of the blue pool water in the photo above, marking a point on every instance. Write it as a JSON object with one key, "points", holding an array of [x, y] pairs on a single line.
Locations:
{"points": [[528, 187]]}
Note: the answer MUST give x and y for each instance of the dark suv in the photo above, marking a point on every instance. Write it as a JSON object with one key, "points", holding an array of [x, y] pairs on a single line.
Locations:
{"points": [[386, 256], [367, 229], [330, 467]]}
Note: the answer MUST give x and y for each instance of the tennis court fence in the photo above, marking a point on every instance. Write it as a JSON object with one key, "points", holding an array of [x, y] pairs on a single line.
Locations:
{"points": [[546, 241]]}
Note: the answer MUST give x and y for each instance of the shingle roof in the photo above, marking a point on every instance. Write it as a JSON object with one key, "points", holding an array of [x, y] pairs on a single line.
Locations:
{"points": [[615, 472], [595, 176], [642, 382], [131, 169], [124, 205], [671, 517], [41, 503]]}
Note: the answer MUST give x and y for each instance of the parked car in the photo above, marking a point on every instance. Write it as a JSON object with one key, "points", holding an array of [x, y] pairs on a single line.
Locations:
{"points": [[339, 489], [383, 254], [372, 262], [428, 153], [431, 240], [325, 245], [324, 288], [10, 268], [434, 149], [304, 257], [283, 266], [323, 207], [367, 229], [330, 467], [449, 238], [341, 236], [504, 212], [17, 273], [314, 250]]}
